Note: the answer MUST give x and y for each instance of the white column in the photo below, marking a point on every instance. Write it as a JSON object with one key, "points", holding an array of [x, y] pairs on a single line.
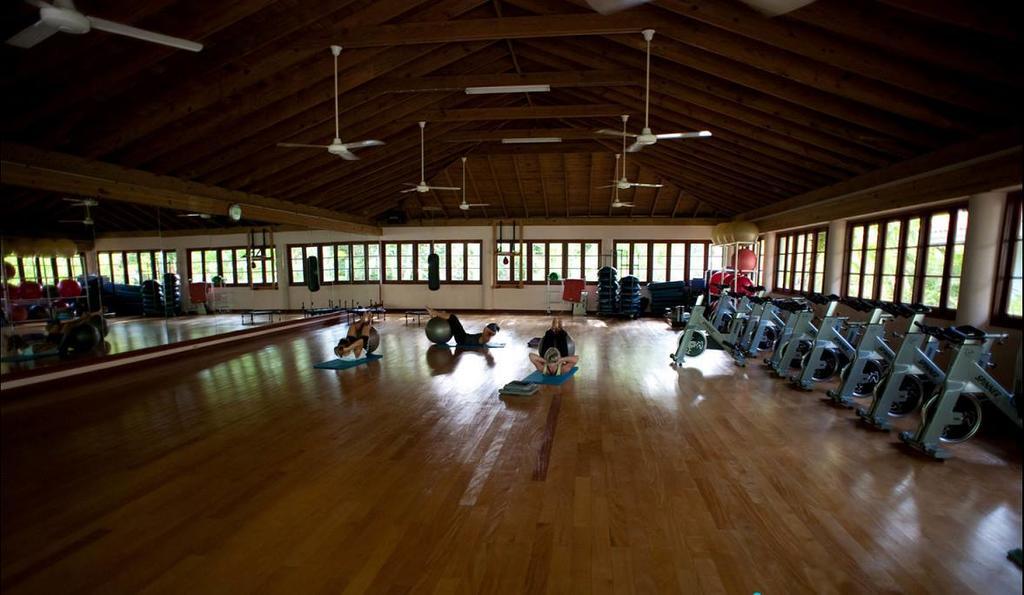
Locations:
{"points": [[981, 257], [768, 261], [834, 257]]}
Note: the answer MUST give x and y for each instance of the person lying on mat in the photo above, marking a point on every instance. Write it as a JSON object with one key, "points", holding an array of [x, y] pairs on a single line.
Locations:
{"points": [[356, 339], [461, 336], [549, 359]]}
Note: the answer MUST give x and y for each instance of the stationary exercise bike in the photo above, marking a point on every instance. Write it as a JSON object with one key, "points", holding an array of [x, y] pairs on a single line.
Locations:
{"points": [[912, 375], [872, 356], [953, 415], [761, 331], [794, 338], [701, 332], [831, 350]]}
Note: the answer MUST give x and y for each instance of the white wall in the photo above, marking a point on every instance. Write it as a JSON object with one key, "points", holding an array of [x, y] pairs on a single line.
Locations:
{"points": [[456, 297]]}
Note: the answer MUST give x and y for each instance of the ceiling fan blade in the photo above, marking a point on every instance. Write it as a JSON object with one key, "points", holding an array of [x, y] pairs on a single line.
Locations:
{"points": [[453, 188], [638, 185], [142, 34], [364, 143], [611, 132], [430, 208], [611, 6], [773, 8], [699, 134], [479, 204], [608, 186], [634, 148], [347, 155], [302, 146], [32, 35], [413, 189], [618, 205]]}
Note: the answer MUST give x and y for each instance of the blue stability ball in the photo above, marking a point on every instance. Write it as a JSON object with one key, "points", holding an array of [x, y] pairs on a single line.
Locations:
{"points": [[438, 330]]}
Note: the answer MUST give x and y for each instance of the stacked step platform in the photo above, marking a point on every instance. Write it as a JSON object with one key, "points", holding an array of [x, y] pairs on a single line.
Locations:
{"points": [[629, 296], [607, 290]]}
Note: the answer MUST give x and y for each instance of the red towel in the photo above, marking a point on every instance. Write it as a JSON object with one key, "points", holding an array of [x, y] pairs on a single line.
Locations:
{"points": [[572, 289]]}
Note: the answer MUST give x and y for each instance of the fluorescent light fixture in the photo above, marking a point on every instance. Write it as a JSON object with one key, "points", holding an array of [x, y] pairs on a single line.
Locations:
{"points": [[704, 133], [508, 89], [530, 139]]}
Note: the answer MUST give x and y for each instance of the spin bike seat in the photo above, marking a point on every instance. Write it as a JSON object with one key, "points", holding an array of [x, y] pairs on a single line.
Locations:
{"points": [[817, 298], [960, 334]]}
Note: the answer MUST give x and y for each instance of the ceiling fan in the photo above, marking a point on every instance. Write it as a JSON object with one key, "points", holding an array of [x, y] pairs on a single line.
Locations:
{"points": [[63, 16], [622, 183], [422, 186], [88, 203], [343, 150], [200, 215], [465, 206], [616, 203], [769, 8], [646, 137]]}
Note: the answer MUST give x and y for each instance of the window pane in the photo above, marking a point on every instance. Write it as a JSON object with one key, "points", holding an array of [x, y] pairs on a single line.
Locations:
{"points": [[473, 261], [953, 295], [103, 258], [857, 237], [372, 262], [640, 260], [913, 231], [242, 266], [298, 268], [677, 262], [327, 264], [887, 289], [227, 266], [343, 263], [538, 261], [935, 260], [622, 258], [555, 259], [458, 258], [422, 264], [659, 272], [715, 258], [391, 262], [574, 261], [591, 258], [442, 254], [407, 261], [939, 231], [907, 291], [696, 270], [932, 291], [196, 259]]}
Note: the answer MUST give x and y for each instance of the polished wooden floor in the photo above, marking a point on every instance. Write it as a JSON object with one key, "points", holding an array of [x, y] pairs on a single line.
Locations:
{"points": [[250, 471]]}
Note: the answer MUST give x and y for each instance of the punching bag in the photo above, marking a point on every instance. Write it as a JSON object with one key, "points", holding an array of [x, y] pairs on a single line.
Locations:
{"points": [[433, 272], [313, 273]]}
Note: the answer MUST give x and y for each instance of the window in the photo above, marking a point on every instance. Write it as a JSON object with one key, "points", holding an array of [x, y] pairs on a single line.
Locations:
{"points": [[46, 270], [233, 266], [508, 263], [915, 257], [800, 260], [667, 260], [571, 260], [407, 262], [134, 267], [1009, 295], [349, 262]]}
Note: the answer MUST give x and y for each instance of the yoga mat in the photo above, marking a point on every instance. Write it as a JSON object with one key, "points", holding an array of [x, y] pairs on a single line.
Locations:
{"points": [[27, 357], [537, 378], [344, 364]]}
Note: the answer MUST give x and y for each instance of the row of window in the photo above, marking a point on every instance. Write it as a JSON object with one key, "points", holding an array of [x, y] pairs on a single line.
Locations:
{"points": [[45, 270], [134, 267], [667, 261], [569, 260], [232, 267], [800, 260]]}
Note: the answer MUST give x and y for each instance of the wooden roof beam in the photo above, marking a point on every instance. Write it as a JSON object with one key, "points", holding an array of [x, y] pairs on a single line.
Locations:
{"points": [[58, 172]]}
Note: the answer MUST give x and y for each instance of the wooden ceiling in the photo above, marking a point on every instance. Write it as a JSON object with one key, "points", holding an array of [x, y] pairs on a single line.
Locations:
{"points": [[824, 94]]}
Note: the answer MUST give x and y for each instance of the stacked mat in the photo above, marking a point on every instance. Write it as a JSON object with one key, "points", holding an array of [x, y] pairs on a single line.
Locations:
{"points": [[629, 296], [607, 290], [152, 298], [518, 388], [172, 295], [668, 295]]}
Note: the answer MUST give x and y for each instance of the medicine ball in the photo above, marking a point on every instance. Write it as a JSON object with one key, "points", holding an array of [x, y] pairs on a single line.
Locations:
{"points": [[372, 341], [79, 339], [438, 330]]}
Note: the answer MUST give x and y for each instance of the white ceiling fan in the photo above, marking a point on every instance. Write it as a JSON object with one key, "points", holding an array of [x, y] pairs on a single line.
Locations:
{"points": [[646, 137], [464, 205], [622, 183], [343, 150], [88, 203], [769, 8], [63, 16], [422, 186], [616, 203]]}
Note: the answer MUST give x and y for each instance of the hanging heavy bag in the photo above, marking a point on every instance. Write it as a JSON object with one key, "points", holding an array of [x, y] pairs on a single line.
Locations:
{"points": [[313, 273], [433, 272]]}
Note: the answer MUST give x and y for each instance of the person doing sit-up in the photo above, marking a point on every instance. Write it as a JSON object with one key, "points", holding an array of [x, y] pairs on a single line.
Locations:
{"points": [[460, 334], [552, 358], [357, 338]]}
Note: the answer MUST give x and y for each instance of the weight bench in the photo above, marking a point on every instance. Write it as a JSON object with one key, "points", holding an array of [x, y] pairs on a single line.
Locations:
{"points": [[252, 314], [417, 314]]}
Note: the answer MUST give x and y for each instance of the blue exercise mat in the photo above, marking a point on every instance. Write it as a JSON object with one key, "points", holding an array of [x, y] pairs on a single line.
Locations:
{"points": [[27, 357], [344, 364], [537, 378]]}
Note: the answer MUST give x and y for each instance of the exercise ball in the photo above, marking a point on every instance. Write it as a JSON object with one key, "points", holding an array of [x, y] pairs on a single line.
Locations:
{"points": [[9, 271], [13, 292], [438, 330], [19, 314], [69, 288], [373, 340], [744, 231], [553, 276], [747, 260], [50, 291], [100, 323], [79, 339], [217, 281], [38, 312], [30, 290], [570, 346]]}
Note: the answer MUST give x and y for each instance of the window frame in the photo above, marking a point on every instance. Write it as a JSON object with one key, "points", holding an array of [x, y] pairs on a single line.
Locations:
{"points": [[921, 252], [366, 280], [446, 265], [152, 255], [785, 270], [233, 250], [528, 270], [1013, 212], [37, 262], [649, 274]]}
